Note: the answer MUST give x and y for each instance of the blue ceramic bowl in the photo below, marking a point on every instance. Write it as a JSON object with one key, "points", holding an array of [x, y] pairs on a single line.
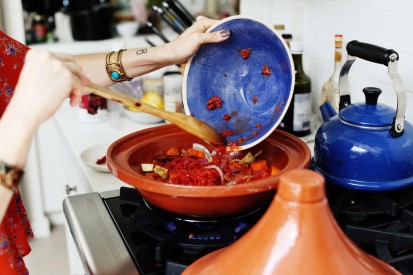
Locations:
{"points": [[255, 102]]}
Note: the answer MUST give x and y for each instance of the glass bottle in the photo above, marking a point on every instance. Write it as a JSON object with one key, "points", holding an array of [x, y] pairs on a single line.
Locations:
{"points": [[297, 120], [287, 38], [330, 90], [39, 28], [172, 81]]}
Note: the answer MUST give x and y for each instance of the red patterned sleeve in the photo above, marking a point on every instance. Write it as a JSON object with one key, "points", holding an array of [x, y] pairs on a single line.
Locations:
{"points": [[12, 55], [15, 228]]}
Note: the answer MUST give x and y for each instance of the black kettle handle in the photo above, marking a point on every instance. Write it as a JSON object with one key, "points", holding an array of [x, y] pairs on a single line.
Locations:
{"points": [[370, 52], [379, 55]]}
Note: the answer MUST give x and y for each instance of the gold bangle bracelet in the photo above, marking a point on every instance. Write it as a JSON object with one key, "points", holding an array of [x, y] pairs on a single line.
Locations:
{"points": [[10, 175], [114, 66]]}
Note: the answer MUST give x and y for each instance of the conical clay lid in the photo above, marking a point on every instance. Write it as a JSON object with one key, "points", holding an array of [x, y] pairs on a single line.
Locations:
{"points": [[297, 235]]}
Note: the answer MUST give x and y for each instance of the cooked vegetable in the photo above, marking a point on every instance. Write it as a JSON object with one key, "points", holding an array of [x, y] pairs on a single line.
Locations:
{"points": [[274, 170], [172, 152], [203, 148], [198, 166], [147, 167], [161, 171], [259, 165], [196, 153], [248, 158]]}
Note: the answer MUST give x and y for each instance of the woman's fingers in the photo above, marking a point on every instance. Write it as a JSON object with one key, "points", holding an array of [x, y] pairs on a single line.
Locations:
{"points": [[215, 37], [69, 61], [79, 79]]}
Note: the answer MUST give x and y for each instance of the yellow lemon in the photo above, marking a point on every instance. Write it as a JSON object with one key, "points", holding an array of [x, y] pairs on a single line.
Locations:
{"points": [[151, 98]]}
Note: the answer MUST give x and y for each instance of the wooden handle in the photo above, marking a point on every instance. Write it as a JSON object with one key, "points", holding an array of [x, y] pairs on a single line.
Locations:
{"points": [[188, 123]]}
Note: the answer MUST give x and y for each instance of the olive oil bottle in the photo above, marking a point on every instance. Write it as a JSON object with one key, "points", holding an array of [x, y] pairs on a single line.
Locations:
{"points": [[297, 120], [330, 90]]}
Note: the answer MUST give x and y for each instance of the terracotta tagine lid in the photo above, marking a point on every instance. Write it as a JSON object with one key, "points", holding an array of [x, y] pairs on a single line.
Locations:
{"points": [[298, 234]]}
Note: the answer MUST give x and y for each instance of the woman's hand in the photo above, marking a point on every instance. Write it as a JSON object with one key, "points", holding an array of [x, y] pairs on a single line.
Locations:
{"points": [[188, 43], [45, 81]]}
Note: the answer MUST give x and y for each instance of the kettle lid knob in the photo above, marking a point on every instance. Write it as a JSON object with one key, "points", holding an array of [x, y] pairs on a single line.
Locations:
{"points": [[372, 95]]}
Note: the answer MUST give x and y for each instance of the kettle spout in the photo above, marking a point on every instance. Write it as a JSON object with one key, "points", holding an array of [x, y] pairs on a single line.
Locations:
{"points": [[327, 111]]}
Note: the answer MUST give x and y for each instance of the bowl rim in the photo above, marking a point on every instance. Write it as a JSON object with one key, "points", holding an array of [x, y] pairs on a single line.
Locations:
{"points": [[265, 184], [290, 95]]}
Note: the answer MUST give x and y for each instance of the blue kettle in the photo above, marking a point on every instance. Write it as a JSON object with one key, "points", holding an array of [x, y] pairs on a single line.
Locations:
{"points": [[366, 146]]}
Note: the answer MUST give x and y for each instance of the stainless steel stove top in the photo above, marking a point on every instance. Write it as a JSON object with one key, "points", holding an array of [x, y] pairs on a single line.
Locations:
{"points": [[97, 239]]}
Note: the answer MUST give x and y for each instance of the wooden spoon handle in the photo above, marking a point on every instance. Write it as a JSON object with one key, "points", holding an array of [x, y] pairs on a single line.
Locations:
{"points": [[188, 123]]}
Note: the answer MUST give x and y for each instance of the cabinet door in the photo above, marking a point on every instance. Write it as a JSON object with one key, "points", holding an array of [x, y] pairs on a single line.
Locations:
{"points": [[59, 167]]}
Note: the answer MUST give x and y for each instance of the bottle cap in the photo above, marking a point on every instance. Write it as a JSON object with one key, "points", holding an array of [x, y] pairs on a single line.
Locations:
{"points": [[338, 40], [296, 47], [279, 27], [287, 36]]}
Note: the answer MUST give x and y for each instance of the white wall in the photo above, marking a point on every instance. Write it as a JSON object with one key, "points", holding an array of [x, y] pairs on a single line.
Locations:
{"points": [[11, 19], [386, 23]]}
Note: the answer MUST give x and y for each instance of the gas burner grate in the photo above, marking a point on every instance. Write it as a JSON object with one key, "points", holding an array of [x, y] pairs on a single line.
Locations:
{"points": [[191, 236], [166, 242], [391, 242], [357, 207]]}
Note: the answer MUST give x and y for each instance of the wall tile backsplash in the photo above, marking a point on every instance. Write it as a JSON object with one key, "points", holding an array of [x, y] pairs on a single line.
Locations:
{"points": [[386, 23]]}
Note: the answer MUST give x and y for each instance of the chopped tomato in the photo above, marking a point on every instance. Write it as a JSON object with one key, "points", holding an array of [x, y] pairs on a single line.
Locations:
{"points": [[227, 133], [101, 161], [255, 99], [214, 102], [227, 117], [222, 168], [266, 70], [245, 53]]}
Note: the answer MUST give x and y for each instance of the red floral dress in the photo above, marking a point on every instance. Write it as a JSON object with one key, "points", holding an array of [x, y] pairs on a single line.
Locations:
{"points": [[15, 230]]}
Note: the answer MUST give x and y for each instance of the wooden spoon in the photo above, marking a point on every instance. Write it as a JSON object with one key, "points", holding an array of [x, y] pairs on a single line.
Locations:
{"points": [[188, 123]]}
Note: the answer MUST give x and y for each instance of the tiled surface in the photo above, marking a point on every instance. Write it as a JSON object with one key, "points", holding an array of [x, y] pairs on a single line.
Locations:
{"points": [[48, 255], [385, 23]]}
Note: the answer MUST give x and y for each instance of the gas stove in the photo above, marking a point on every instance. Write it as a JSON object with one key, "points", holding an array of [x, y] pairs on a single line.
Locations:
{"points": [[120, 233]]}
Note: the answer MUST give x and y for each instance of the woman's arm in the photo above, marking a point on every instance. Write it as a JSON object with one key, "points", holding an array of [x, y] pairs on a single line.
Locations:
{"points": [[45, 81], [144, 60]]}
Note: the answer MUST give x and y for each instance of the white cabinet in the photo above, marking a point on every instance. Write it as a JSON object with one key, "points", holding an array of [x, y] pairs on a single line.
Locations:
{"points": [[60, 171]]}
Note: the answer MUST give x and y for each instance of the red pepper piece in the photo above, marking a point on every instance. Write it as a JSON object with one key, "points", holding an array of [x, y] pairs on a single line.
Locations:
{"points": [[214, 102], [227, 133], [245, 53], [266, 70]]}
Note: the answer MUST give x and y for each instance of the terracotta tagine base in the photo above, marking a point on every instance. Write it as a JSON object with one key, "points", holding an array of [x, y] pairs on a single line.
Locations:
{"points": [[297, 235]]}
